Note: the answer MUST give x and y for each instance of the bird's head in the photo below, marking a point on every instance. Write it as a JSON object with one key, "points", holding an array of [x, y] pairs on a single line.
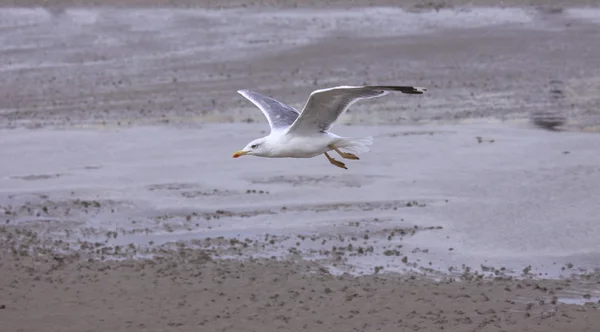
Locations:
{"points": [[258, 147]]}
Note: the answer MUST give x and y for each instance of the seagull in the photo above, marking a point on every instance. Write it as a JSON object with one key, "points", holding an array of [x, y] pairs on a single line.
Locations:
{"points": [[306, 134]]}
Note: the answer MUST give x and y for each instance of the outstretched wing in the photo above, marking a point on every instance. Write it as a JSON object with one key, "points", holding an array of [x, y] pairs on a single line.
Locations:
{"points": [[323, 107], [279, 115]]}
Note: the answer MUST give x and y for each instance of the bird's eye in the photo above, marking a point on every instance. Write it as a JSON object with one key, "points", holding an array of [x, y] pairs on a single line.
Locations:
{"points": [[254, 146]]}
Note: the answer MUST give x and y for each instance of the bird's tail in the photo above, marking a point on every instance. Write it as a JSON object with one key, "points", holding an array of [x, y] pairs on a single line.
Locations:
{"points": [[355, 145]]}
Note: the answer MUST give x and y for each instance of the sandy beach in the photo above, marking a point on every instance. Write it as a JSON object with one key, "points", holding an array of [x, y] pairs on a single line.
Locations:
{"points": [[122, 209]]}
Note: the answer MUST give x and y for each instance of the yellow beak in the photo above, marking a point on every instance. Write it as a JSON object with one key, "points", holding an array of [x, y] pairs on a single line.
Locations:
{"points": [[239, 153]]}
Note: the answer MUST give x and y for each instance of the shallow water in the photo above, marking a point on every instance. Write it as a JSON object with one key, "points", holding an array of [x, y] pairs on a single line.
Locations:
{"points": [[511, 198], [211, 35]]}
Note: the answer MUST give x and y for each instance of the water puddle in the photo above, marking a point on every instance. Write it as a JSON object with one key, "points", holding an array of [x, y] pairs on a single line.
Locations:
{"points": [[579, 301]]}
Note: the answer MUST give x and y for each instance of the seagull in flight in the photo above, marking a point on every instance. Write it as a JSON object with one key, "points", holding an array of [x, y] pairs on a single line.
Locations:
{"points": [[306, 134]]}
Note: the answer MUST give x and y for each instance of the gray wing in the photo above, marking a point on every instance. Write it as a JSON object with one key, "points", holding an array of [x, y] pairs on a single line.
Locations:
{"points": [[323, 107], [279, 115]]}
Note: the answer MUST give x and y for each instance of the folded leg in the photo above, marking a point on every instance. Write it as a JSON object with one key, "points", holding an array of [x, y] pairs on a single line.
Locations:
{"points": [[345, 155]]}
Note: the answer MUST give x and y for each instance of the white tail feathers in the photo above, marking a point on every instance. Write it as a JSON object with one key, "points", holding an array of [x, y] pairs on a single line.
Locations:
{"points": [[355, 145]]}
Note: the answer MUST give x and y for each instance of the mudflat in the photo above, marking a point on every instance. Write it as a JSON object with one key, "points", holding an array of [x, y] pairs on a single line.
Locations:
{"points": [[122, 209]]}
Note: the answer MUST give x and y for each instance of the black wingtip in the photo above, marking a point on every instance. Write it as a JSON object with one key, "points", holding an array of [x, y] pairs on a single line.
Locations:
{"points": [[411, 90]]}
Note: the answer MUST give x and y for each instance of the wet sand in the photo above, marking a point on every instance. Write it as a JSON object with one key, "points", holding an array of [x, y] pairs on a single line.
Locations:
{"points": [[184, 292], [124, 211]]}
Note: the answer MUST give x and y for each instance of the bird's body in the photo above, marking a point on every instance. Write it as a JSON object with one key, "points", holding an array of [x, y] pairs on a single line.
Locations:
{"points": [[286, 146], [306, 134], [292, 146]]}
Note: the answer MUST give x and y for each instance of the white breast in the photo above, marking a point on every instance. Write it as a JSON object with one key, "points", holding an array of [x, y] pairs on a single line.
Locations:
{"points": [[292, 146]]}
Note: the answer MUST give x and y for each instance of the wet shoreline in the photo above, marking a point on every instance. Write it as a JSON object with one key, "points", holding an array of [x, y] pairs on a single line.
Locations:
{"points": [[496, 64]]}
